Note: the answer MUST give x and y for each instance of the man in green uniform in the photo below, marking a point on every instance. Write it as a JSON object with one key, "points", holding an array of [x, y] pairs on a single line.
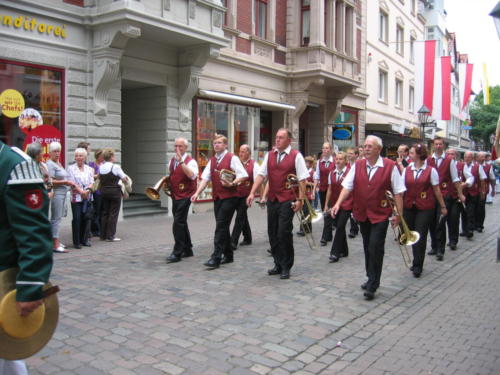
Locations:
{"points": [[25, 235]]}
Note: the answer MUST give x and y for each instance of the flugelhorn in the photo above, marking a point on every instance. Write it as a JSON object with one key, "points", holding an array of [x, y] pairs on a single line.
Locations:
{"points": [[404, 235], [153, 192]]}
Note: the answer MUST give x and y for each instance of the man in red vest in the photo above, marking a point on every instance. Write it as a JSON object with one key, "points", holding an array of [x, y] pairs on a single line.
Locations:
{"points": [[448, 176], [323, 169], [282, 199], [367, 181], [474, 192], [241, 223], [183, 173], [489, 186], [225, 196]]}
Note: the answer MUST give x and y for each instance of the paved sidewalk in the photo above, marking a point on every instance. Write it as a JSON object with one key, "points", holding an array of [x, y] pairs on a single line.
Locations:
{"points": [[124, 311]]}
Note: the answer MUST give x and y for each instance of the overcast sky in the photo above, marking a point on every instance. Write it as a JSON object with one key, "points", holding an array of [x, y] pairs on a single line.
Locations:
{"points": [[476, 35]]}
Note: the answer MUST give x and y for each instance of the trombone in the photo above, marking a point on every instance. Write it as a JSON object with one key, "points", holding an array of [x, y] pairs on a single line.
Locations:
{"points": [[311, 217], [404, 235]]}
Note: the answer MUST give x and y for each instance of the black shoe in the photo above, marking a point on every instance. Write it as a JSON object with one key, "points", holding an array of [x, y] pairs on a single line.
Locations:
{"points": [[363, 286], [453, 246], [284, 275], [417, 271], [234, 246], [440, 256], [226, 260], [352, 235], [274, 271], [172, 258], [245, 243], [479, 230], [322, 243], [333, 259], [269, 252], [369, 295], [187, 253], [301, 234], [212, 264], [344, 255], [463, 234], [432, 252], [77, 246], [88, 244], [470, 235]]}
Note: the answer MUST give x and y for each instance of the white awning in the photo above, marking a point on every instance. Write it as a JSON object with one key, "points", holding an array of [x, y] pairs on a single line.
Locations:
{"points": [[245, 100]]}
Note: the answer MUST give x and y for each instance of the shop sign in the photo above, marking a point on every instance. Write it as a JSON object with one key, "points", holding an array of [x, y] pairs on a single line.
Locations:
{"points": [[12, 103], [31, 24], [45, 135]]}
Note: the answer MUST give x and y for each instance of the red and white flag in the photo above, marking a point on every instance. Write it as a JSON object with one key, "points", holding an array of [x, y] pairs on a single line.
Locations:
{"points": [[425, 59], [441, 109], [465, 82]]}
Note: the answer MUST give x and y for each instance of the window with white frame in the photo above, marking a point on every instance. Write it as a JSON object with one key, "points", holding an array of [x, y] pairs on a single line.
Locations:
{"points": [[382, 85], [398, 100], [260, 18], [400, 39], [412, 50], [411, 99], [383, 26], [349, 30], [305, 22]]}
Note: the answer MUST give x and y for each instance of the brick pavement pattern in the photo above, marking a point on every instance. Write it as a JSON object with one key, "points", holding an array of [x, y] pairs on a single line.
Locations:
{"points": [[125, 311]]}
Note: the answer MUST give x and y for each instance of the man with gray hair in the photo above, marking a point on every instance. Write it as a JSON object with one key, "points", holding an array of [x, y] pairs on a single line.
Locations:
{"points": [[368, 180], [183, 173]]}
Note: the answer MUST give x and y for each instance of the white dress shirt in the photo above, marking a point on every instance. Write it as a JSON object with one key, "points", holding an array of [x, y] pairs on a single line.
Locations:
{"points": [[417, 172], [397, 180], [316, 172], [468, 174], [236, 166], [115, 168], [491, 175], [453, 166], [192, 165], [300, 164], [337, 172]]}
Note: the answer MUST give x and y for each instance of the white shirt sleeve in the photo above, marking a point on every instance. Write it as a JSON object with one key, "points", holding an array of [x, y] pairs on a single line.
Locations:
{"points": [[238, 167], [193, 166], [482, 175], [263, 167], [256, 168], [206, 172], [118, 171], [301, 168], [454, 171], [330, 177], [469, 178], [316, 172], [348, 182], [397, 181], [434, 177], [492, 175]]}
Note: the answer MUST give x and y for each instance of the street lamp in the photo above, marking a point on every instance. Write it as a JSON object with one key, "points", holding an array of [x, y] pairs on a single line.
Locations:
{"points": [[423, 117]]}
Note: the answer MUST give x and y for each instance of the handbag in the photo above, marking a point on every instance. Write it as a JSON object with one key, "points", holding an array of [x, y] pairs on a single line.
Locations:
{"points": [[96, 185], [87, 209]]}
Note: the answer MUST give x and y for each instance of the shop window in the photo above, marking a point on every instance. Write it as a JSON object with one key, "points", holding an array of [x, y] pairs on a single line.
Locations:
{"points": [[32, 104], [239, 123], [305, 22], [260, 18]]}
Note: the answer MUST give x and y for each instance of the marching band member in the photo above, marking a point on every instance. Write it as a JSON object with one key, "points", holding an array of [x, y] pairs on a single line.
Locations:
{"points": [[456, 207], [367, 181], [339, 245], [474, 191], [241, 223], [448, 175], [225, 198], [309, 194], [419, 201], [489, 186], [325, 165], [282, 200], [183, 173], [403, 159], [352, 156]]}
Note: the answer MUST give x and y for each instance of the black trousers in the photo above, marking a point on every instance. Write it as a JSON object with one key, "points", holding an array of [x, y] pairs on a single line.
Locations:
{"points": [[95, 224], [109, 215], [80, 224], [453, 220], [182, 237], [419, 220], [437, 228], [224, 211], [373, 245], [328, 220], [463, 217], [480, 213], [339, 244], [241, 224], [471, 203], [279, 230], [354, 226]]}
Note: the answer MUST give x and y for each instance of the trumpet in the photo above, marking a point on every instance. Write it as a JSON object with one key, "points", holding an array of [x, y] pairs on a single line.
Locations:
{"points": [[153, 192], [305, 220], [404, 235]]}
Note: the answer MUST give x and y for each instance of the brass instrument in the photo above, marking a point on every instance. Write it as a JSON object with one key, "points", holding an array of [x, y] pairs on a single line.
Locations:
{"points": [[153, 192], [227, 175], [404, 235], [312, 216]]}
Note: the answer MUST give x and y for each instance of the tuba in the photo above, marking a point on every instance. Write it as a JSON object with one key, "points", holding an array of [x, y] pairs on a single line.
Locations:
{"points": [[153, 192], [404, 235]]}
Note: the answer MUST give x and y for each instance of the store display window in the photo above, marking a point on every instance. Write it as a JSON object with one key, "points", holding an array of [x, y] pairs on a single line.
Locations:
{"points": [[239, 123], [345, 128], [31, 105]]}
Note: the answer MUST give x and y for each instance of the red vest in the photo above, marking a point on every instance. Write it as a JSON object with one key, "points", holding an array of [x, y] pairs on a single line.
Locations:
{"points": [[460, 172], [473, 191], [336, 188], [419, 193], [324, 172], [309, 189], [487, 168], [444, 174], [369, 200], [246, 186], [277, 174], [219, 191], [180, 184]]}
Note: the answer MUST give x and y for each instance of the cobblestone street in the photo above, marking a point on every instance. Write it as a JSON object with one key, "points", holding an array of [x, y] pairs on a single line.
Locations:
{"points": [[125, 311]]}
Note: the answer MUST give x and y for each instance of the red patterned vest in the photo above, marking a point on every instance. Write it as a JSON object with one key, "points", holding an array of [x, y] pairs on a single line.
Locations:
{"points": [[336, 188], [246, 186], [369, 200], [277, 174], [324, 172], [419, 193], [487, 168], [219, 191], [444, 174], [180, 184], [473, 191]]}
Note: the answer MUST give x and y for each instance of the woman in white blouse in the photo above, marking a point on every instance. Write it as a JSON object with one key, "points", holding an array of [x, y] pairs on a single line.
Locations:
{"points": [[81, 198]]}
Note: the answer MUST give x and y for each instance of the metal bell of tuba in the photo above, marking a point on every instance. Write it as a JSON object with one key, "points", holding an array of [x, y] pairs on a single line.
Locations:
{"points": [[153, 192]]}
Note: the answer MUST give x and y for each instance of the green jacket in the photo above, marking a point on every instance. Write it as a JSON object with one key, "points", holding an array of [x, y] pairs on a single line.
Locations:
{"points": [[25, 233]]}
